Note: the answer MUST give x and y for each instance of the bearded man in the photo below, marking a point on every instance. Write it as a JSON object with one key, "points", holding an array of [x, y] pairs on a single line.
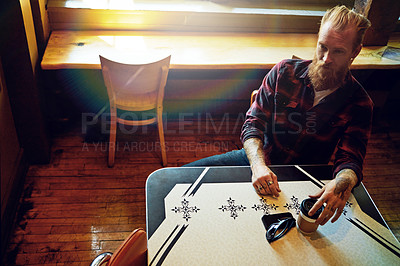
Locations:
{"points": [[306, 111]]}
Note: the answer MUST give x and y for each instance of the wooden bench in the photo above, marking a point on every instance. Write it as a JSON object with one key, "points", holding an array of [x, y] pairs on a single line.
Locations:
{"points": [[199, 50]]}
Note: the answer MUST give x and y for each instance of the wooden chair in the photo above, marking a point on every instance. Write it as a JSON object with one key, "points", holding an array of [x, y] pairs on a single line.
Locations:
{"points": [[133, 251], [136, 88]]}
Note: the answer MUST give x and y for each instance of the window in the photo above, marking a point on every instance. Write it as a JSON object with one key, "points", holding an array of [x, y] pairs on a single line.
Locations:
{"points": [[190, 15]]}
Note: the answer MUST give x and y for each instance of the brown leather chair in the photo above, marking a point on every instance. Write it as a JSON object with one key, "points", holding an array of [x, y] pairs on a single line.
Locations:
{"points": [[135, 88], [132, 252]]}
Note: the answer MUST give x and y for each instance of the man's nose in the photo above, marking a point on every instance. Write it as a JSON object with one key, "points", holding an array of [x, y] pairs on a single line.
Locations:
{"points": [[327, 58]]}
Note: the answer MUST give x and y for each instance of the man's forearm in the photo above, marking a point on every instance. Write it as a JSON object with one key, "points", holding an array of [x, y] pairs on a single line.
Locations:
{"points": [[265, 182], [254, 151]]}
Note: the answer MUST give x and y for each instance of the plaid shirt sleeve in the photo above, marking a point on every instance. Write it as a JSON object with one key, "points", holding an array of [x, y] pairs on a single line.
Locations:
{"points": [[352, 146], [258, 117]]}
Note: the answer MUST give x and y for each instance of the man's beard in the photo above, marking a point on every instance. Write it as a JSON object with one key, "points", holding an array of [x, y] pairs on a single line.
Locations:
{"points": [[325, 78]]}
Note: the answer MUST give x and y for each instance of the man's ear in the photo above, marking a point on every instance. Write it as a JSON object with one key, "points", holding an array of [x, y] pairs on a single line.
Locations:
{"points": [[356, 51]]}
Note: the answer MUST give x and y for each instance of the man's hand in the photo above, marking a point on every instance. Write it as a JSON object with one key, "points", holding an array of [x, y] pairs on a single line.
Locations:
{"points": [[335, 194], [264, 180]]}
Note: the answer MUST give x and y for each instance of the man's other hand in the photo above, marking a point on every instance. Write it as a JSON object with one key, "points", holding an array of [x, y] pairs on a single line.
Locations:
{"points": [[335, 195]]}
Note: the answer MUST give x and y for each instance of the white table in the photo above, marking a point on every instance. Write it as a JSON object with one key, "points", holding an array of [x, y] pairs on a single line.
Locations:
{"points": [[212, 216]]}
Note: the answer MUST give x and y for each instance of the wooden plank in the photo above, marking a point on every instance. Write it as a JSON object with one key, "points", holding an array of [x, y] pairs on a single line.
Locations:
{"points": [[76, 237], [48, 229], [64, 246], [83, 257], [89, 210], [70, 221]]}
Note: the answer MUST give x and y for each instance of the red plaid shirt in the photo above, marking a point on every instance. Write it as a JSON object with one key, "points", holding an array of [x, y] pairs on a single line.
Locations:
{"points": [[295, 132]]}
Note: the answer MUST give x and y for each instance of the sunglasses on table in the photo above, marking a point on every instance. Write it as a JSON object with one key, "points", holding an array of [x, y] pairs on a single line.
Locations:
{"points": [[277, 225]]}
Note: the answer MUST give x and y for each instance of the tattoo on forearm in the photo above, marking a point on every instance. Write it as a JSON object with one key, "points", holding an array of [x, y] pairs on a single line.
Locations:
{"points": [[343, 180], [341, 184]]}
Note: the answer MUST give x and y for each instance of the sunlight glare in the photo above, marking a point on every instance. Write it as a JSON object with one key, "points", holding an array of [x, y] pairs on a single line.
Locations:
{"points": [[95, 245], [125, 42], [194, 6]]}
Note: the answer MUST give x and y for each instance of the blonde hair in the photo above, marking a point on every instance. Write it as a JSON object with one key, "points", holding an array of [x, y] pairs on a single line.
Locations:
{"points": [[342, 18]]}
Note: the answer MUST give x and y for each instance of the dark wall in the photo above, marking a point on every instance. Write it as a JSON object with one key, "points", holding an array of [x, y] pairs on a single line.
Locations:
{"points": [[193, 93], [25, 95], [70, 93]]}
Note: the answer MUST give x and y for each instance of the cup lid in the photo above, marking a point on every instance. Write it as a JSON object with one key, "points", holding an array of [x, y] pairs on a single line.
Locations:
{"points": [[306, 206]]}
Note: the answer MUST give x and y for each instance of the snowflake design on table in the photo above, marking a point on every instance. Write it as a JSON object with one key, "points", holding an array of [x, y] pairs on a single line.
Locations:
{"points": [[264, 206], [185, 210], [293, 205], [232, 208], [348, 205]]}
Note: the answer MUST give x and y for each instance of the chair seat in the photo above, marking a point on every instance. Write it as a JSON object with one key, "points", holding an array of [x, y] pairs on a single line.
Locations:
{"points": [[137, 102], [137, 122]]}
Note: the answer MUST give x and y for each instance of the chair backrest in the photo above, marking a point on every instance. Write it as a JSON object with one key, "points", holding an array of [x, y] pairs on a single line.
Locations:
{"points": [[137, 87], [133, 251]]}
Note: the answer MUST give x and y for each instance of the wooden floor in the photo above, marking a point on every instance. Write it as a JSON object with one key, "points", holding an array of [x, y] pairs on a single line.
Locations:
{"points": [[76, 207]]}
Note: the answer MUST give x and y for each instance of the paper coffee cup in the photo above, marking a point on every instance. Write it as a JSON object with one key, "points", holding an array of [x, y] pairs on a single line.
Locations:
{"points": [[306, 223]]}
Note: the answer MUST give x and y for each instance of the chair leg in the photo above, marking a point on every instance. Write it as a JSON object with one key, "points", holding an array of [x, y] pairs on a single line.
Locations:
{"points": [[111, 143], [162, 140]]}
